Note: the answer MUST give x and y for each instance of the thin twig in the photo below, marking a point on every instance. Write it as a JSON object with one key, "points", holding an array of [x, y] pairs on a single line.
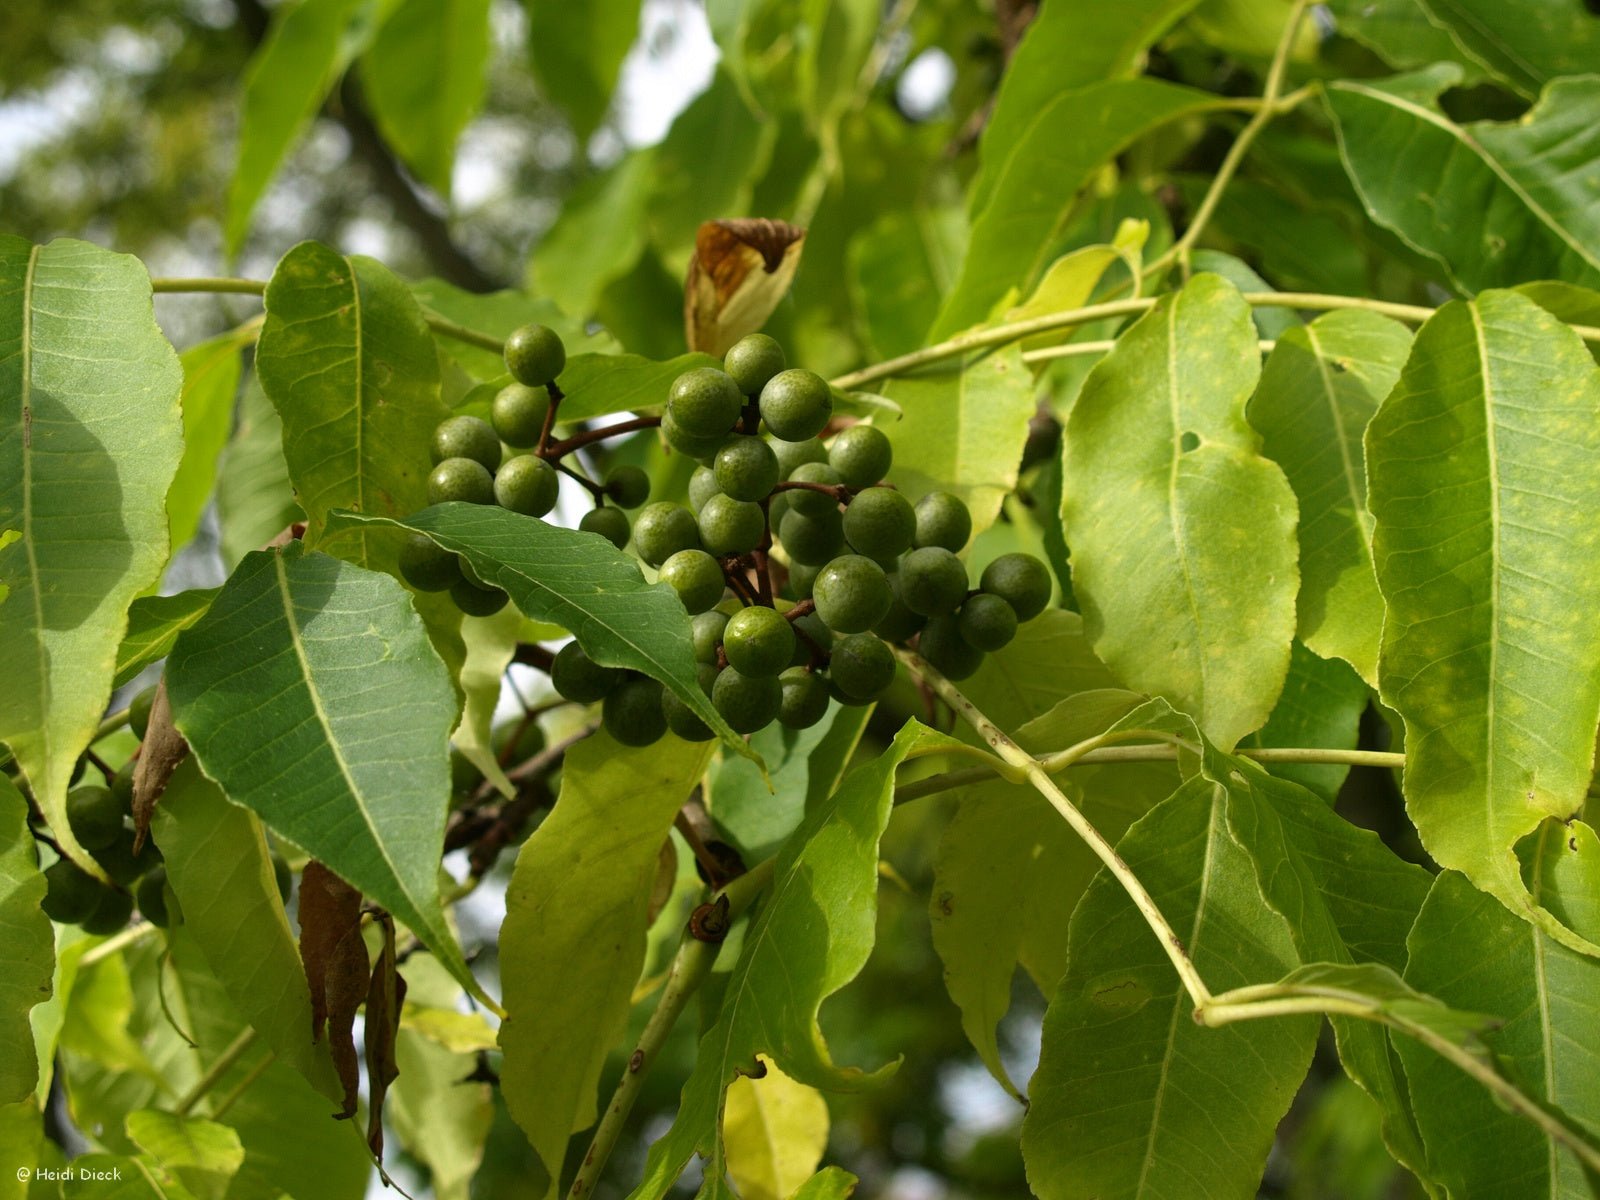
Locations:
{"points": [[218, 1069]]}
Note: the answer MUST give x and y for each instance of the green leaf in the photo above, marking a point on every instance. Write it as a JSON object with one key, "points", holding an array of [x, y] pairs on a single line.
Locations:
{"points": [[490, 643], [1128, 1085], [901, 266], [27, 945], [1480, 475], [1018, 219], [1250, 28], [830, 1183], [218, 866], [123, 1177], [154, 623], [424, 77], [964, 430], [1472, 954], [203, 1155], [811, 937], [349, 363], [1320, 705], [210, 383], [1345, 363], [582, 883], [306, 50], [90, 435], [255, 499], [577, 54], [1399, 32], [774, 1131], [1494, 204], [310, 692], [1182, 535], [1525, 44], [599, 384], [1049, 660], [576, 580], [1573, 304], [598, 236]]}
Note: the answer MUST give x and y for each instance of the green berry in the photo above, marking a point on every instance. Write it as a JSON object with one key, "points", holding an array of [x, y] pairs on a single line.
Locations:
{"points": [[861, 667], [518, 414], [816, 633], [802, 576], [861, 454], [152, 897], [477, 601], [71, 893], [610, 523], [462, 479], [747, 702], [702, 486], [796, 454], [746, 468], [933, 581], [535, 355], [805, 698], [704, 402], [729, 526], [758, 641], [987, 622], [528, 485], [899, 624], [752, 361], [696, 577], [111, 913], [627, 486], [632, 712], [517, 740], [1021, 580], [879, 523], [121, 863], [796, 404], [122, 787], [662, 529], [427, 566], [943, 520], [682, 719], [95, 817], [777, 505], [578, 678], [700, 447], [281, 875], [139, 712], [805, 500], [812, 540], [467, 437], [852, 594], [942, 645], [705, 631]]}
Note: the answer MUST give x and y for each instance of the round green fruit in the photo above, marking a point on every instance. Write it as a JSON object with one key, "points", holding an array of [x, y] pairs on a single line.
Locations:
{"points": [[702, 486], [477, 601], [879, 523], [427, 566], [943, 520], [535, 355], [1021, 580], [632, 712], [805, 698], [861, 454], [802, 577], [518, 414], [807, 500], [796, 454], [609, 522], [758, 641], [899, 623], [70, 894], [812, 540], [851, 594], [111, 913], [987, 622], [662, 529], [627, 485], [139, 712], [461, 479], [517, 740], [796, 404], [682, 719], [700, 447], [752, 361], [746, 468], [121, 863], [747, 702], [704, 402], [578, 678], [933, 581], [861, 667], [696, 577], [95, 817], [467, 437], [942, 645], [729, 526], [152, 897], [705, 631], [528, 485]]}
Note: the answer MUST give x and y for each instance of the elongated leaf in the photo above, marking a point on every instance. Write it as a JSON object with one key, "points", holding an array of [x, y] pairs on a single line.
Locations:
{"points": [[202, 1155], [424, 78], [306, 50], [599, 235], [1319, 388], [27, 946], [1182, 535], [598, 384], [1479, 476], [811, 937], [218, 867], [349, 363], [1128, 1085], [1320, 705], [90, 436], [1400, 32], [154, 623], [900, 268], [1526, 44], [310, 692], [576, 580], [255, 499], [580, 896], [1049, 660], [210, 383], [775, 1131], [1494, 204], [490, 643], [578, 51], [964, 431]]}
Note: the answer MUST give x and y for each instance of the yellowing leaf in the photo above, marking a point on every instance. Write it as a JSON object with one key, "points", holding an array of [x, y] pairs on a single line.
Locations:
{"points": [[774, 1131]]}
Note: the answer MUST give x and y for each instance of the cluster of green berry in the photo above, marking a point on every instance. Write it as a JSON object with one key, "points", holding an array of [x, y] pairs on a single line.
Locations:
{"points": [[865, 567]]}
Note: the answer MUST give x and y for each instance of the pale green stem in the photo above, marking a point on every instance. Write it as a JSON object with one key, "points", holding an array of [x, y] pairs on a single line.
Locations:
{"points": [[110, 725], [239, 1089], [116, 944], [1102, 346], [246, 287], [218, 1069]]}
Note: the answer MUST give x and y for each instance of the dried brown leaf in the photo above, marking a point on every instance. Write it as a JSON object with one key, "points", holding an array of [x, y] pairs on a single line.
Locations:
{"points": [[739, 272], [159, 756], [385, 994]]}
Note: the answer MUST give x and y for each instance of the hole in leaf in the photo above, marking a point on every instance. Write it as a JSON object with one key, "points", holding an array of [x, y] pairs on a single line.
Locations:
{"points": [[1189, 441]]}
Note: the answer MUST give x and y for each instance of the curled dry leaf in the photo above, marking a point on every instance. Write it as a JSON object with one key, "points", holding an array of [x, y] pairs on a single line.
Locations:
{"points": [[739, 272], [385, 995], [335, 960], [162, 751]]}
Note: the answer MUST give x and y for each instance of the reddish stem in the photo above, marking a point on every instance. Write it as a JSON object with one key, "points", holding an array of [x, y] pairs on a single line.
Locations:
{"points": [[556, 396], [579, 440]]}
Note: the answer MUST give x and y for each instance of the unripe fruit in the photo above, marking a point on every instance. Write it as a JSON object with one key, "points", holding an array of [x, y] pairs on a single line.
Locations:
{"points": [[899, 623], [610, 523], [71, 893], [777, 505], [578, 678], [632, 712], [518, 414], [95, 817], [805, 698], [477, 601], [861, 454], [700, 447], [517, 740], [139, 712], [461, 479], [796, 404], [729, 526], [812, 540], [682, 719], [758, 641], [942, 645], [467, 437], [747, 702], [879, 523], [851, 594], [627, 486], [862, 667], [662, 529], [152, 898], [705, 631], [704, 402], [528, 485], [120, 862], [795, 454], [702, 486], [1021, 580], [696, 577], [535, 355], [805, 500], [815, 632], [110, 914], [746, 468], [943, 520], [987, 622], [427, 566], [802, 576], [752, 361], [933, 581]]}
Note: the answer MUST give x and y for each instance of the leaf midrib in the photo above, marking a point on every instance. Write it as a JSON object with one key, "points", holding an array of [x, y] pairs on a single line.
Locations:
{"points": [[1492, 453], [27, 506]]}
